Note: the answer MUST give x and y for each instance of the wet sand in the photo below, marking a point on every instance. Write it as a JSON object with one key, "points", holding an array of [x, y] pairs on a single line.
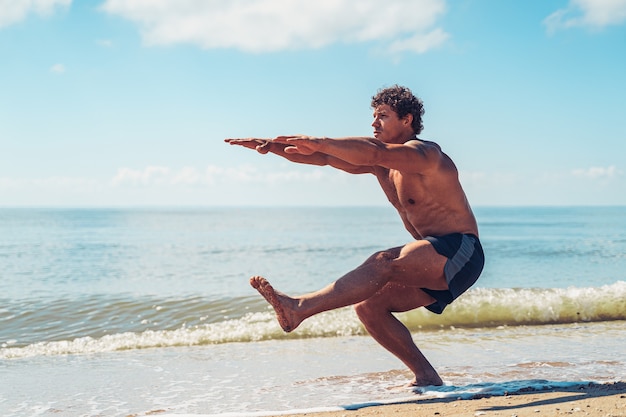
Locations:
{"points": [[596, 400]]}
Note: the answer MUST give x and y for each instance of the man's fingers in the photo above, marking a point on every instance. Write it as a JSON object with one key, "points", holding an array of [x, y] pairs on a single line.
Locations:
{"points": [[291, 149], [258, 140], [290, 138], [281, 139], [250, 141], [264, 147]]}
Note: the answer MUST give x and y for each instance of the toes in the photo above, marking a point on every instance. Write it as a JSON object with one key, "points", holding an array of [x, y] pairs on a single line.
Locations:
{"points": [[257, 282]]}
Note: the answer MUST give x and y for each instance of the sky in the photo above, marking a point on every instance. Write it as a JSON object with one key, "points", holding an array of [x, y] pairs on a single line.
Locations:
{"points": [[126, 103]]}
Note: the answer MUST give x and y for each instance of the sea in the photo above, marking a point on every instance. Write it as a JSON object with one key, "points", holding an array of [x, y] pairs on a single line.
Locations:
{"points": [[148, 311]]}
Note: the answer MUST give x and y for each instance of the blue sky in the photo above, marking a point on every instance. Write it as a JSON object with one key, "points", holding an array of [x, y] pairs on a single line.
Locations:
{"points": [[127, 102]]}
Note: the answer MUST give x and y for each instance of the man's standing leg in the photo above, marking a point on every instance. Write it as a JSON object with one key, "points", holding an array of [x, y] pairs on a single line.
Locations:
{"points": [[376, 315]]}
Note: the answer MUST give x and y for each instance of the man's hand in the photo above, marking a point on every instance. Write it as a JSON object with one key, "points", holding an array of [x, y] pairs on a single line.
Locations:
{"points": [[301, 144], [260, 145], [308, 150]]}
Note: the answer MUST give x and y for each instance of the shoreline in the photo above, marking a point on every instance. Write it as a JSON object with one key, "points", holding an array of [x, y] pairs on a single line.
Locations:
{"points": [[588, 399]]}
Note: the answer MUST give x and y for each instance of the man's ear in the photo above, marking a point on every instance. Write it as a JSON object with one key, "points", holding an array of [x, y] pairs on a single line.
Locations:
{"points": [[407, 120]]}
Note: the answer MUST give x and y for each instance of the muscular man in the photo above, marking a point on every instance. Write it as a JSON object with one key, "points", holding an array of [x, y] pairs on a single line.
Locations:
{"points": [[422, 183]]}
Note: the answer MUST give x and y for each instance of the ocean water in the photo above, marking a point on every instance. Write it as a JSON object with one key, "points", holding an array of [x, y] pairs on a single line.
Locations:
{"points": [[118, 312]]}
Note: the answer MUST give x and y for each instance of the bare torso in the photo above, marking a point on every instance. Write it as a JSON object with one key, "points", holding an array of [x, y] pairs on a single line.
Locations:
{"points": [[430, 204]]}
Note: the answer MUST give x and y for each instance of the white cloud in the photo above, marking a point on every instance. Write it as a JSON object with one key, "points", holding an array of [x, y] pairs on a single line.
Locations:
{"points": [[420, 42], [595, 173], [589, 186], [273, 25], [51, 183], [147, 176], [105, 43], [14, 11], [57, 68], [593, 14], [190, 176]]}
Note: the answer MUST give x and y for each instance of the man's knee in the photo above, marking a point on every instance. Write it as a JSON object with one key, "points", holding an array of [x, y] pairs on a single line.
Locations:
{"points": [[366, 311], [362, 311], [382, 261], [384, 256]]}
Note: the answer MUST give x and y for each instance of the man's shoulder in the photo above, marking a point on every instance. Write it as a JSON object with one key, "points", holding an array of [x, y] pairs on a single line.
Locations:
{"points": [[427, 149], [422, 143]]}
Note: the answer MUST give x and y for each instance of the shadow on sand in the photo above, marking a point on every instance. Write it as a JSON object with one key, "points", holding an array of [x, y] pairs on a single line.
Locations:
{"points": [[447, 394]]}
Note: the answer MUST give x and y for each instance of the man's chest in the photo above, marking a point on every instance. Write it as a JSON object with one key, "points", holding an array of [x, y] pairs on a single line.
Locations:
{"points": [[401, 190]]}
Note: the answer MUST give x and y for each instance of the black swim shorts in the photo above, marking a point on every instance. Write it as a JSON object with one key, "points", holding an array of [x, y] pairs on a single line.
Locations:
{"points": [[465, 263]]}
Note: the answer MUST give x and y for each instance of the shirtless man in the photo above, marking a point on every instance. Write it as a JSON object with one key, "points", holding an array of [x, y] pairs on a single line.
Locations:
{"points": [[422, 183]]}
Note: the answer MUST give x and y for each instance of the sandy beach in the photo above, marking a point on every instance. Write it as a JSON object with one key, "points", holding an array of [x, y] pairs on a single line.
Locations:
{"points": [[597, 400]]}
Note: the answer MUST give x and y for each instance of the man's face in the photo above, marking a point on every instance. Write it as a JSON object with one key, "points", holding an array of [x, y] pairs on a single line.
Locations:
{"points": [[388, 127]]}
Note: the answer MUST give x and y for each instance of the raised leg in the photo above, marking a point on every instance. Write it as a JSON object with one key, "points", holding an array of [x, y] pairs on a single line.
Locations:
{"points": [[355, 286], [387, 282]]}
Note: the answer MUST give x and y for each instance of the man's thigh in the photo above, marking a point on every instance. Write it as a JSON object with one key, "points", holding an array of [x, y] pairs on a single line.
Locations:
{"points": [[399, 298], [419, 265]]}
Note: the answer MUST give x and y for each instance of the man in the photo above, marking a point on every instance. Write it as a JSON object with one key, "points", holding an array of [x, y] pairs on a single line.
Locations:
{"points": [[422, 183]]}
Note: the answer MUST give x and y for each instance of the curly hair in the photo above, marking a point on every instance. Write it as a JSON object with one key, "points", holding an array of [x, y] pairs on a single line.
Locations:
{"points": [[403, 102]]}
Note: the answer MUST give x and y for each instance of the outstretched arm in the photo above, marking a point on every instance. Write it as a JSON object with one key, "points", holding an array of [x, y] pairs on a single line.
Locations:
{"points": [[414, 156], [280, 148]]}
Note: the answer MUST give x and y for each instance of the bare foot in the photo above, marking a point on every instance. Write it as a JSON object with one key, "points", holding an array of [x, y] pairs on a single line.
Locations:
{"points": [[436, 381], [280, 302]]}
